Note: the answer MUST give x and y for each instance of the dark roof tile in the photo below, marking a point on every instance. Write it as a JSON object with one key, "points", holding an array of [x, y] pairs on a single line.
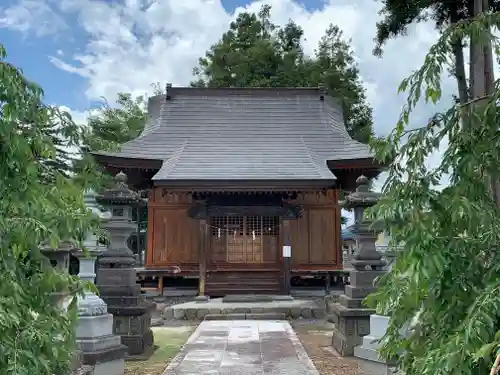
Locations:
{"points": [[235, 134]]}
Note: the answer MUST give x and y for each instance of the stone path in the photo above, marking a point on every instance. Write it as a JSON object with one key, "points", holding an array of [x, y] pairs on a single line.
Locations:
{"points": [[241, 347]]}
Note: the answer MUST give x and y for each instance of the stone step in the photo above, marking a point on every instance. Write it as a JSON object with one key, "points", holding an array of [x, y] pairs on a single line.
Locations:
{"points": [[202, 310], [256, 298], [248, 316], [228, 290]]}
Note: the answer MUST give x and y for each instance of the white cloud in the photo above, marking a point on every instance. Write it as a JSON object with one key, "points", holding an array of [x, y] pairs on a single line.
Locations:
{"points": [[32, 16], [133, 44], [79, 117]]}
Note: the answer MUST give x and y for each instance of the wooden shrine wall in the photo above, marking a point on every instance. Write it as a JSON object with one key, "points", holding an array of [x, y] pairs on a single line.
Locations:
{"points": [[173, 237], [316, 241]]}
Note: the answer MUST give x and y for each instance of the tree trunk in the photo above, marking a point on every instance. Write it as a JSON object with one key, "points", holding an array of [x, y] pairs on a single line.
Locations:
{"points": [[463, 90], [458, 53], [482, 77]]}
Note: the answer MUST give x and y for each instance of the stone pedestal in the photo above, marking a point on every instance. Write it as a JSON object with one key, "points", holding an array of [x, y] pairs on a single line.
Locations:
{"points": [[99, 347], [94, 333], [371, 363], [116, 275], [351, 318]]}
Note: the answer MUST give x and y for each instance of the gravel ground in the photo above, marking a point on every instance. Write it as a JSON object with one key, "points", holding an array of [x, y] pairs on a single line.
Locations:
{"points": [[316, 336]]}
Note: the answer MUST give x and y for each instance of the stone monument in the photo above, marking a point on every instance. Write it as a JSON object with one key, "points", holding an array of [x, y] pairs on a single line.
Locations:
{"points": [[116, 275], [371, 363], [351, 318], [368, 352], [99, 347]]}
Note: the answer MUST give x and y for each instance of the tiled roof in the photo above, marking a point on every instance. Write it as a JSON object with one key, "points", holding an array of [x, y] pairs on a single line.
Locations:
{"points": [[244, 134]]}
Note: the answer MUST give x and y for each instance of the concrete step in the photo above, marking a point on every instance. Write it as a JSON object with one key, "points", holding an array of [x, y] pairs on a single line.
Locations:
{"points": [[248, 316]]}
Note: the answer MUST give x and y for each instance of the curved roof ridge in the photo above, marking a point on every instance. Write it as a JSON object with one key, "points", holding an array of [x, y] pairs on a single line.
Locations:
{"points": [[317, 161]]}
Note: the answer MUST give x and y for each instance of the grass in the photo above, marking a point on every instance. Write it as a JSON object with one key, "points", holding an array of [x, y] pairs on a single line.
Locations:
{"points": [[169, 341]]}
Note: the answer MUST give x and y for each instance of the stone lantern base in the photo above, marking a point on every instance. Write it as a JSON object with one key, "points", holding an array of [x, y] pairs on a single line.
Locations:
{"points": [[352, 320], [131, 311], [350, 327]]}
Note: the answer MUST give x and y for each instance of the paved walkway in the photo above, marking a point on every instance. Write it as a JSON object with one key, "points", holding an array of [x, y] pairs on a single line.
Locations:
{"points": [[241, 347]]}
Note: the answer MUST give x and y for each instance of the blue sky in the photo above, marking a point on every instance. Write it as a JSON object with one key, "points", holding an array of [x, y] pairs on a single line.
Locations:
{"points": [[30, 48]]}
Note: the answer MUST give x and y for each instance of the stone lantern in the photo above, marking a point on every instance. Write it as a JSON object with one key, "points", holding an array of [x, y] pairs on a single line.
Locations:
{"points": [[100, 348], [59, 258], [116, 275], [351, 318]]}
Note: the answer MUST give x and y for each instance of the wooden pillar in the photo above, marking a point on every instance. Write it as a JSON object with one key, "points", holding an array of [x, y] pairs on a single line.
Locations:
{"points": [[160, 285], [287, 256], [202, 257]]}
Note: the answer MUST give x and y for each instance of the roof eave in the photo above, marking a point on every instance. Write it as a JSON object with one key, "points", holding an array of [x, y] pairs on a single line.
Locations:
{"points": [[247, 185], [118, 160], [367, 162]]}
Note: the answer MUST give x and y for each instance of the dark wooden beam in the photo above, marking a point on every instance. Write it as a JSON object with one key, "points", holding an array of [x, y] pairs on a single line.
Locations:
{"points": [[203, 211]]}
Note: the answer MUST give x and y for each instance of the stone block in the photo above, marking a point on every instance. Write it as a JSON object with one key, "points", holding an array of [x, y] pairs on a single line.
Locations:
{"points": [[117, 276], [306, 313], [119, 290], [191, 313], [362, 327], [138, 344], [106, 355], [348, 333], [295, 312], [168, 313], [121, 325], [139, 324], [370, 342], [351, 303], [225, 317], [201, 313], [255, 298], [122, 301], [94, 326], [341, 345], [318, 313], [257, 310], [364, 278], [202, 299], [98, 344], [132, 325], [266, 316], [242, 310], [179, 314], [358, 292], [378, 325]]}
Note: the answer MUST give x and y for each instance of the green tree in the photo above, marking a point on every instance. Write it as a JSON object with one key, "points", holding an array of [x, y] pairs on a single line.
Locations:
{"points": [[398, 17], [108, 127], [254, 52], [39, 204], [444, 284]]}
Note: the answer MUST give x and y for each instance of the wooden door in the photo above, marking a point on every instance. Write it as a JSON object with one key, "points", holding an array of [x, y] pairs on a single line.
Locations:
{"points": [[249, 240]]}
